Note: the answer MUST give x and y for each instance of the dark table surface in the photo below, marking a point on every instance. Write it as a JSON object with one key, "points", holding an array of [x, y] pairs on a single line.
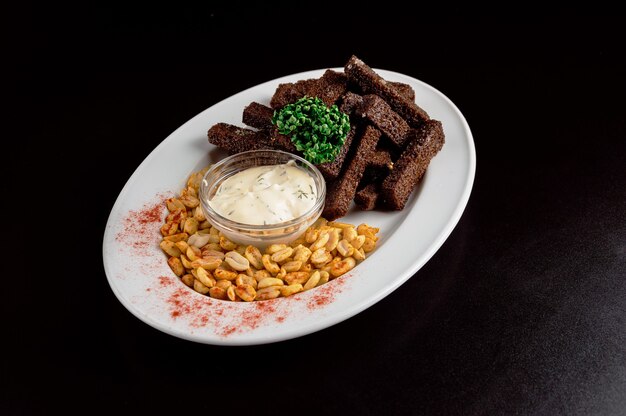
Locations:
{"points": [[521, 311]]}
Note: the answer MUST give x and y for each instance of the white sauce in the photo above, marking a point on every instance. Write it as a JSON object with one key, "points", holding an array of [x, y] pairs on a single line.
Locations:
{"points": [[265, 195]]}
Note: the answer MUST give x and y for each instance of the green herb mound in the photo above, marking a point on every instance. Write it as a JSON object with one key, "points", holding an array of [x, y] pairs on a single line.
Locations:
{"points": [[317, 131]]}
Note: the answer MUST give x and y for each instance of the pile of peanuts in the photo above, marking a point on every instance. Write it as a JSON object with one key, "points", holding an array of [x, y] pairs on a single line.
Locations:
{"points": [[212, 265]]}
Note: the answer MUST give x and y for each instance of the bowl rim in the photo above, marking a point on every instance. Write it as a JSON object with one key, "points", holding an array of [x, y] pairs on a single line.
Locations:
{"points": [[222, 221]]}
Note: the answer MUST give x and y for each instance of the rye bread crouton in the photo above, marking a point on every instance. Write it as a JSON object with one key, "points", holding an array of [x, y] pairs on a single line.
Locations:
{"points": [[340, 192], [413, 162], [372, 83]]}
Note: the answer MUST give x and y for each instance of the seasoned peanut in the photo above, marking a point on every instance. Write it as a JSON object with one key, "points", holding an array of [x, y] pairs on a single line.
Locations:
{"points": [[302, 254], [198, 239], [243, 279], [226, 244], [313, 280], [342, 266], [267, 293], [311, 235], [222, 274], [205, 277], [198, 214], [269, 281], [199, 287], [209, 263], [291, 266], [320, 257], [254, 256], [193, 253], [187, 279], [182, 246], [246, 292], [217, 292], [230, 292], [176, 266], [324, 277], [176, 237], [349, 234], [170, 248], [274, 248], [208, 252], [291, 289], [282, 255], [358, 241], [369, 245], [236, 261], [224, 284], [333, 239], [359, 255], [261, 274], [296, 277], [174, 204], [269, 265], [186, 262], [320, 242], [344, 248]]}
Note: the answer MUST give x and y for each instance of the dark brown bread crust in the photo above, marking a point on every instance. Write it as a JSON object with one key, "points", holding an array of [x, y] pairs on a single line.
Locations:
{"points": [[258, 116], [330, 170], [366, 198], [372, 83], [340, 193], [329, 88], [404, 89], [237, 139], [350, 102], [380, 114], [290, 92], [412, 164], [381, 159]]}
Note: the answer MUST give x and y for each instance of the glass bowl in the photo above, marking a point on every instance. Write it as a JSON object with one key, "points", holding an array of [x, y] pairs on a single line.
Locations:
{"points": [[259, 235]]}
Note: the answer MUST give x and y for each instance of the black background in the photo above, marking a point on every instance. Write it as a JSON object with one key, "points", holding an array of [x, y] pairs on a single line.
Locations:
{"points": [[521, 311]]}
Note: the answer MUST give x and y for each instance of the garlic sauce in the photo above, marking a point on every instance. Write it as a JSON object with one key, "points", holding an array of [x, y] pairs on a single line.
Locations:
{"points": [[265, 195]]}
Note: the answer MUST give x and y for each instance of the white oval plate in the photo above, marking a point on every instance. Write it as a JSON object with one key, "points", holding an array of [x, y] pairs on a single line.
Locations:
{"points": [[136, 267]]}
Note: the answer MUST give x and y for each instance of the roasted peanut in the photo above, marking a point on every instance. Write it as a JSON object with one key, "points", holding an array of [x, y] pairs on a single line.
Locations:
{"points": [[193, 253], [282, 255], [243, 279], [269, 265], [344, 248], [186, 262], [176, 266], [320, 242], [261, 274], [170, 248], [226, 244], [209, 263], [369, 245], [176, 237], [205, 277], [274, 248], [324, 277], [342, 266], [230, 293], [217, 292], [313, 280], [311, 235], [291, 266], [358, 241], [320, 257], [302, 254], [359, 255], [291, 289], [267, 293], [182, 246], [254, 256], [296, 277], [333, 239], [198, 214], [269, 281], [222, 274], [246, 292], [187, 279], [236, 261], [199, 287]]}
